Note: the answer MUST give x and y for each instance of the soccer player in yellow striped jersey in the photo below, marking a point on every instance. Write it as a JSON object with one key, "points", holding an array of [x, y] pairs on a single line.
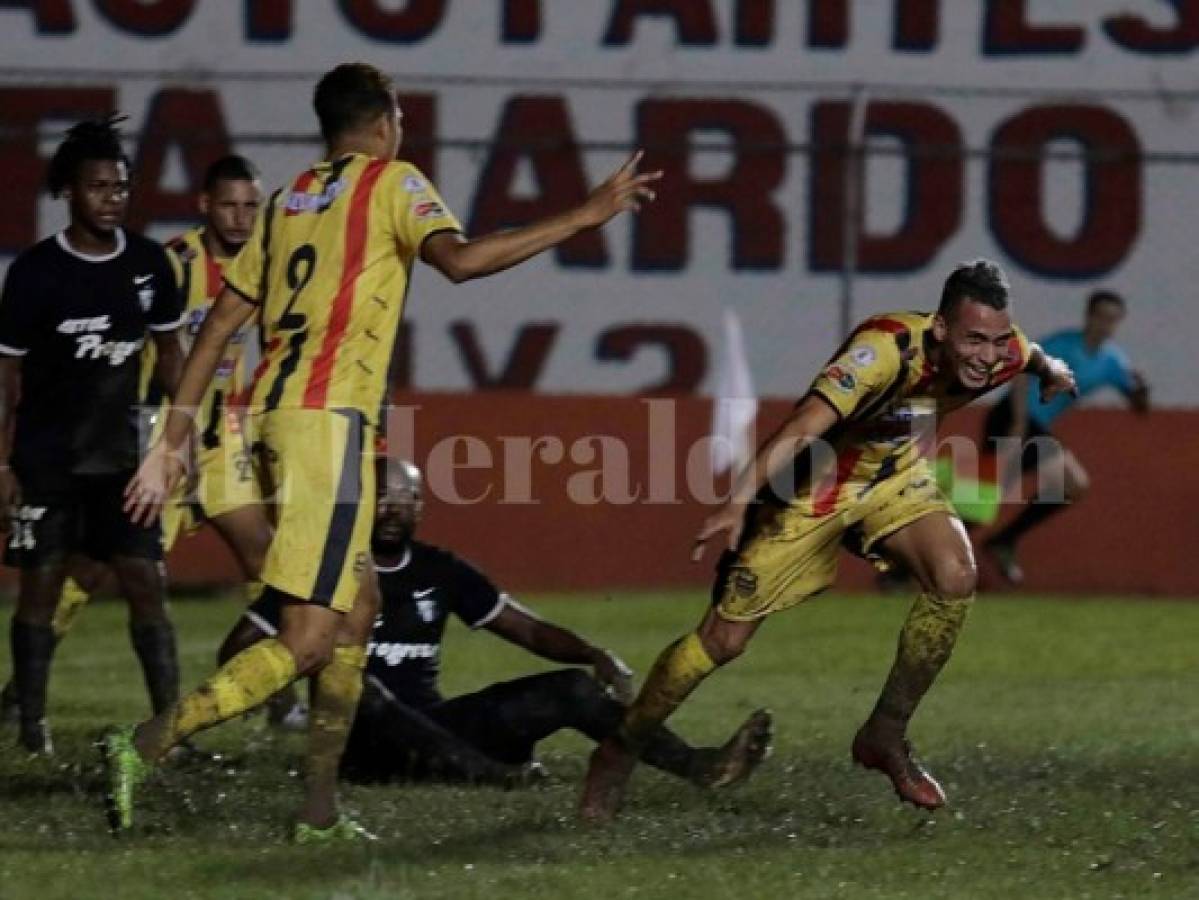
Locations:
{"points": [[325, 272], [856, 451], [224, 489]]}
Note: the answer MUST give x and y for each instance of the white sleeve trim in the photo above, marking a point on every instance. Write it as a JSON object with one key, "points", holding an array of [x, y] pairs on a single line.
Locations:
{"points": [[170, 326], [260, 623], [502, 602], [12, 351]]}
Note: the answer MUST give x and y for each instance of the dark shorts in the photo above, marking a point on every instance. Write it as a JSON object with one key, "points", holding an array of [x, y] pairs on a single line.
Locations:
{"points": [[1036, 448], [82, 515]]}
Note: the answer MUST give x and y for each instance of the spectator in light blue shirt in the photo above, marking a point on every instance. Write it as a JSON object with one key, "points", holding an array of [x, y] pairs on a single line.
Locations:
{"points": [[1097, 363]]}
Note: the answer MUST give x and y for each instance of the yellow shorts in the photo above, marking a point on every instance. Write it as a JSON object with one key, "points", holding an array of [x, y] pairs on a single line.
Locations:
{"points": [[317, 468], [787, 555], [224, 482]]}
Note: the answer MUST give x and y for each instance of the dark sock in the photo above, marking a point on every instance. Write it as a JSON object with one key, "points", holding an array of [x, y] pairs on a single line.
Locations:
{"points": [[154, 643], [1029, 518], [32, 651]]}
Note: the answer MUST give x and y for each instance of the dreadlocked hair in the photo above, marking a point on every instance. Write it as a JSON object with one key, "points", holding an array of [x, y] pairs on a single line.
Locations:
{"points": [[89, 140]]}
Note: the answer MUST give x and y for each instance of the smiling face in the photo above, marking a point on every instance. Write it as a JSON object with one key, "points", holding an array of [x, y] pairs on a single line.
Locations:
{"points": [[99, 196], [974, 341]]}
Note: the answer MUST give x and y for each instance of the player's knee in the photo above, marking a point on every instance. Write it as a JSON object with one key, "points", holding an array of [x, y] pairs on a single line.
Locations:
{"points": [[141, 584], [955, 579]]}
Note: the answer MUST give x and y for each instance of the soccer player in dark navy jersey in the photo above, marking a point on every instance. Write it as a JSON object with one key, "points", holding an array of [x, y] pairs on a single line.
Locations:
{"points": [[405, 728], [76, 311]]}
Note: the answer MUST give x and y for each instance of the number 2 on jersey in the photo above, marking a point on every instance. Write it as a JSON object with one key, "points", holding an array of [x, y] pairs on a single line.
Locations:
{"points": [[300, 269]]}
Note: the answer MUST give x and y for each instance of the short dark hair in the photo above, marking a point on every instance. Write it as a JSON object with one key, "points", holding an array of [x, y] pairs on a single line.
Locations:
{"points": [[97, 139], [350, 96], [980, 280], [1104, 296], [230, 168]]}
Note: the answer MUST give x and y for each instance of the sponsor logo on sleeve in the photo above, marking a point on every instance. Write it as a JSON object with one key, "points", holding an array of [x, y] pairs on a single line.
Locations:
{"points": [[841, 377], [428, 209]]}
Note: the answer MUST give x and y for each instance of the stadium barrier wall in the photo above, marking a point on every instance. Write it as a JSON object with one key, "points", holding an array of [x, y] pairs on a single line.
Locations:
{"points": [[521, 519]]}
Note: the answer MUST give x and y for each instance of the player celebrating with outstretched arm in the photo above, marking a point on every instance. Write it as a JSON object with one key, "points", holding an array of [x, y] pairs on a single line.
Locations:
{"points": [[325, 272], [875, 404]]}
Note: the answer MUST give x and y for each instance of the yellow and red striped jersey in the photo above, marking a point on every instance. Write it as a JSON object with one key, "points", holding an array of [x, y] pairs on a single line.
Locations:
{"points": [[884, 384], [199, 276], [329, 261]]}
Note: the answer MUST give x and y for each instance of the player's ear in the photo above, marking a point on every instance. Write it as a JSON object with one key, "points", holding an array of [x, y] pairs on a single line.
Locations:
{"points": [[204, 203], [940, 328]]}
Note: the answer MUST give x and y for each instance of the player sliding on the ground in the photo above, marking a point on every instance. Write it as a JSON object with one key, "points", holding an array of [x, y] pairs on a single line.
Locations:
{"points": [[405, 728], [872, 411], [326, 272]]}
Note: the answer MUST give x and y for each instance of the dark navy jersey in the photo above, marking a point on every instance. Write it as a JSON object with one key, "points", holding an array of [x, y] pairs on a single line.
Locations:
{"points": [[78, 323], [419, 594]]}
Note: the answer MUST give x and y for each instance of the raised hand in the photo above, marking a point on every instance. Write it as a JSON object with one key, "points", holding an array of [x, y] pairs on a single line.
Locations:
{"points": [[1057, 378], [625, 189]]}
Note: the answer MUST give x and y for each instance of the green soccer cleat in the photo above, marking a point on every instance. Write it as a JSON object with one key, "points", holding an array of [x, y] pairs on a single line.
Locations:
{"points": [[343, 830], [124, 770]]}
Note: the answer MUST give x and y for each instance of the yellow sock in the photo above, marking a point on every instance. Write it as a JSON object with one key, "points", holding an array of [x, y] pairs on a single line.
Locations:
{"points": [[925, 645], [253, 590], [676, 673], [242, 683], [334, 702], [70, 604]]}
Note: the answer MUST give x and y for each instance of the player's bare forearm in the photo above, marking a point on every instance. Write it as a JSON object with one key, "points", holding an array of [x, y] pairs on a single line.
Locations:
{"points": [[460, 259], [518, 626], [228, 314], [168, 366], [808, 422]]}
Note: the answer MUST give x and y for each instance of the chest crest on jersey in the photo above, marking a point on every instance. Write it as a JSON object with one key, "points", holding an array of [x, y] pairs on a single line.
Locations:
{"points": [[427, 609]]}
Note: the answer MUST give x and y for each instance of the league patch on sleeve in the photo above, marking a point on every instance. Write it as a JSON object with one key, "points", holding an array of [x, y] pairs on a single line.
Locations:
{"points": [[862, 356], [415, 185]]}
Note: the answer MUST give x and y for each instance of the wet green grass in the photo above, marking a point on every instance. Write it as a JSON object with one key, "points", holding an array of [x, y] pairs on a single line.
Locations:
{"points": [[1066, 733]]}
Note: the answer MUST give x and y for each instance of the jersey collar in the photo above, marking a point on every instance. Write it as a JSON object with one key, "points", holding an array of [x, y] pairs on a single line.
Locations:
{"points": [[61, 237], [404, 560]]}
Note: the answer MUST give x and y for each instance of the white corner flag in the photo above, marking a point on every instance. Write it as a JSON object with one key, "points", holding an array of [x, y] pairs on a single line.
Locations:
{"points": [[734, 403]]}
